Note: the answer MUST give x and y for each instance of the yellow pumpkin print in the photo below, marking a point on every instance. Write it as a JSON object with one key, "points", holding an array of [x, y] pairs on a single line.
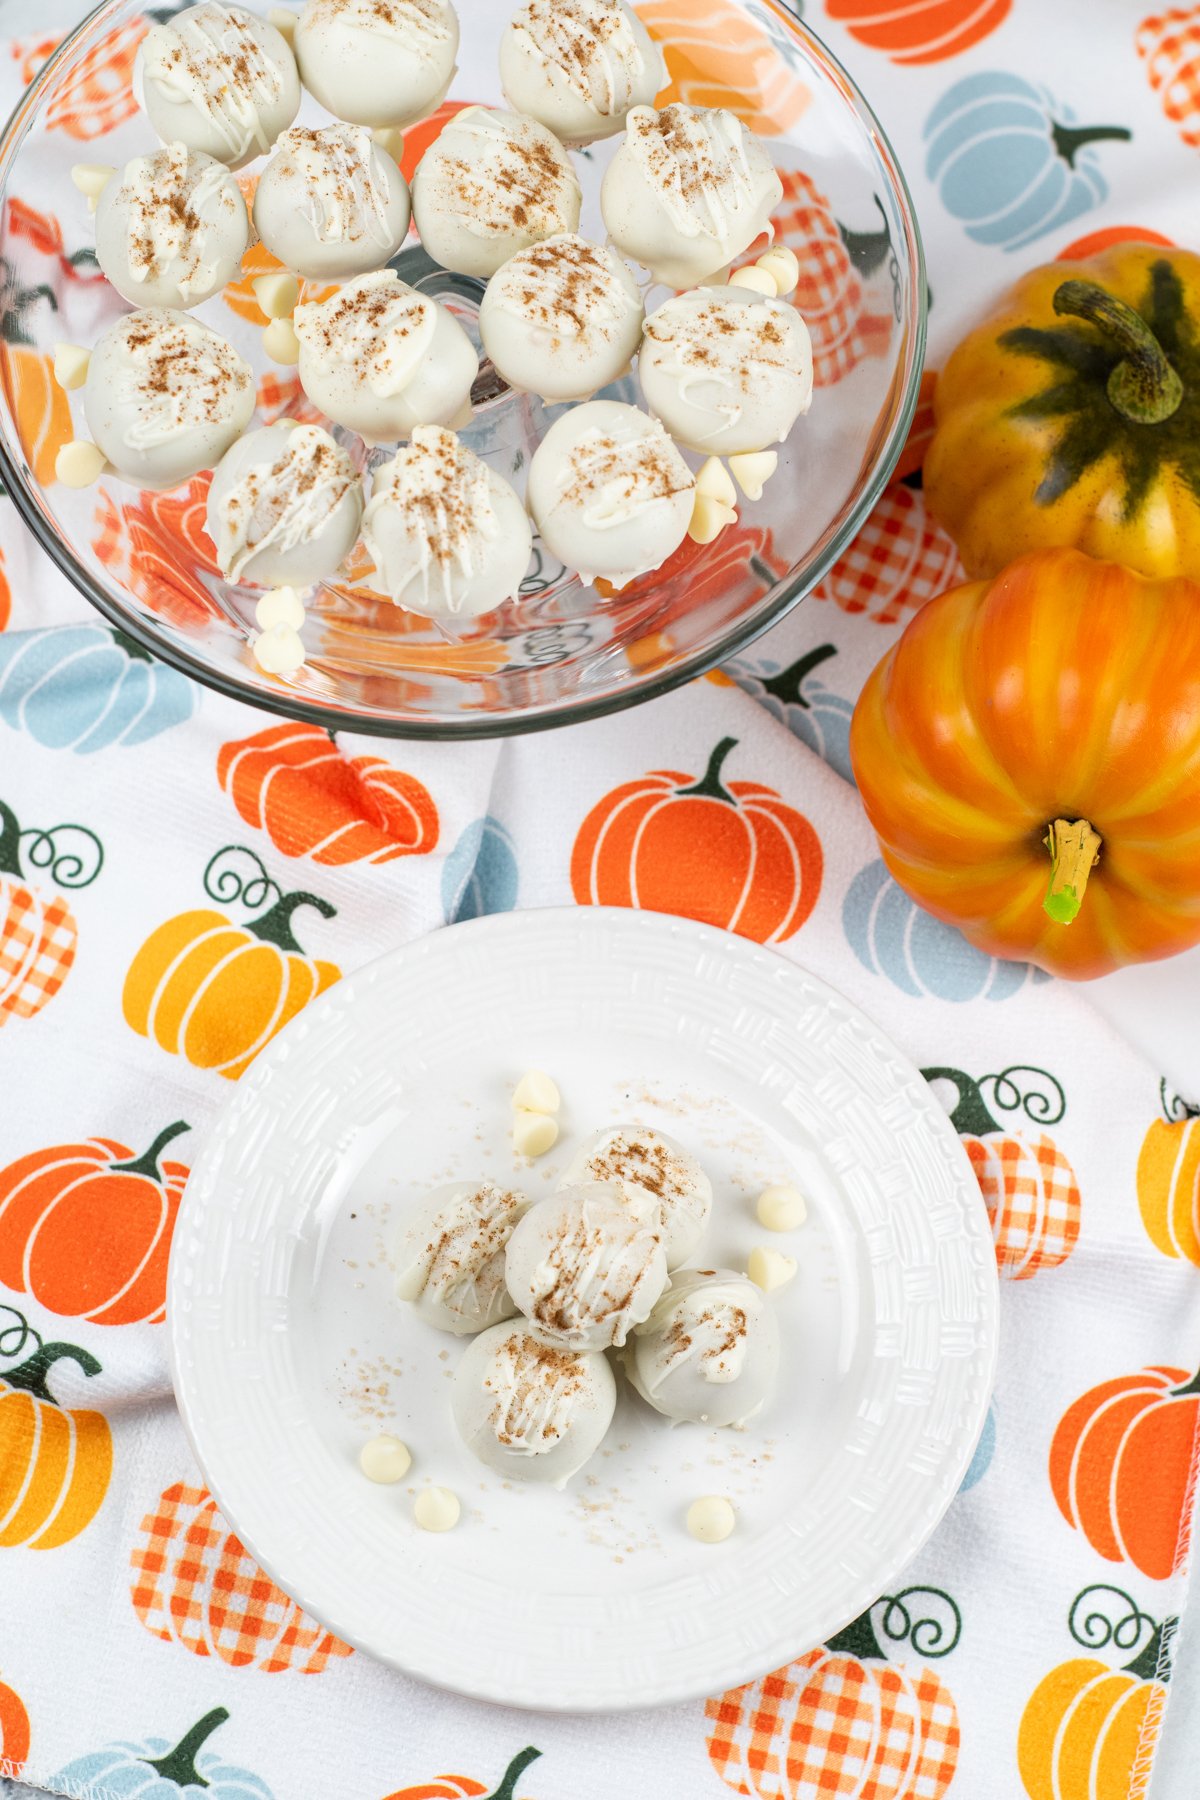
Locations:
{"points": [[1168, 1181], [55, 1461]]}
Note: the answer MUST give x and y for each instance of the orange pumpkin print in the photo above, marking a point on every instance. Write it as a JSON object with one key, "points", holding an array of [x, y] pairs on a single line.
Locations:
{"points": [[1168, 1181], [40, 411], [465, 1787], [418, 137], [844, 1719], [97, 95], [1169, 45], [734, 855], [282, 397], [5, 595], [86, 1228], [194, 1585], [696, 573], [158, 546], [717, 55], [37, 928], [1028, 1186], [919, 31], [292, 782], [899, 560], [1094, 243], [1088, 1729], [1122, 1467], [55, 1461], [14, 1733]]}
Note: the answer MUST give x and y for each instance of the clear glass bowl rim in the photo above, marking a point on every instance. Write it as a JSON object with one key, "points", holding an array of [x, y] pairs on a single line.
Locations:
{"points": [[650, 687]]}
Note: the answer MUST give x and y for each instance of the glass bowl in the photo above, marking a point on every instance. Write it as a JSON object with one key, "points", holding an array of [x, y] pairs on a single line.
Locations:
{"points": [[565, 650]]}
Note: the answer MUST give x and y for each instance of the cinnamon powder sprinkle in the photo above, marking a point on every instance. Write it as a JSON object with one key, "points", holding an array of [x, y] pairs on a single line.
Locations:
{"points": [[545, 1375]]}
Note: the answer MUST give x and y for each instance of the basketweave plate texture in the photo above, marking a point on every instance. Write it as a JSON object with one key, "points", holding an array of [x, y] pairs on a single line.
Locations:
{"points": [[289, 1350]]}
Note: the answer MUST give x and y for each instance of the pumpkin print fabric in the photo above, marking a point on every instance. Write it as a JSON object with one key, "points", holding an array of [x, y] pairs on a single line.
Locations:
{"points": [[180, 874]]}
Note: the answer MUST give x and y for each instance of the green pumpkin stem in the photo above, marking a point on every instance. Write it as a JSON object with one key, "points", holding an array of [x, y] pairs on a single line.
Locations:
{"points": [[1070, 139], [516, 1768], [1142, 387], [31, 1374], [1154, 1662], [133, 650], [1074, 852], [709, 786], [147, 1163], [970, 1117], [1179, 1393], [275, 925], [10, 842], [858, 1639], [179, 1764], [867, 249], [788, 684]]}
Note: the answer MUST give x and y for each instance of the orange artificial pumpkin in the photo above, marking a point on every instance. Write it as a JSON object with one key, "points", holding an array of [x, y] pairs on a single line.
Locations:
{"points": [[718, 55], [843, 1719], [292, 782], [736, 856], [919, 31], [86, 1228], [1169, 45], [1029, 756], [14, 1733], [195, 1585], [1121, 1467], [464, 1787], [1089, 1729], [1168, 1182], [55, 1462]]}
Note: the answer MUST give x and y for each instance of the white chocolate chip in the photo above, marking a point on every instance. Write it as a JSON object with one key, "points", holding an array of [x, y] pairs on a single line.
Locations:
{"points": [[283, 21], [536, 1093], [709, 519], [533, 1133], [281, 343], [71, 365], [752, 471], [279, 651], [756, 278], [770, 1269], [277, 293], [385, 1458], [783, 266], [282, 606], [436, 1509], [713, 479], [79, 463], [781, 1208], [91, 179], [711, 1518], [390, 139]]}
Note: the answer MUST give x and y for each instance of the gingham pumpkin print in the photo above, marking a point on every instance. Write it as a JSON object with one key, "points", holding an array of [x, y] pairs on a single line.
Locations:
{"points": [[194, 1585], [38, 932], [1169, 46], [98, 95], [899, 560]]}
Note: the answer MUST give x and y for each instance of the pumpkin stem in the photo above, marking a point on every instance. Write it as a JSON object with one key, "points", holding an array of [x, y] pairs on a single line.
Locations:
{"points": [[1154, 1662], [1070, 139], [275, 925], [1142, 386], [709, 786], [787, 685], [133, 650], [31, 1374], [1190, 1387], [179, 1764], [1074, 852], [970, 1116], [10, 842], [858, 1639], [147, 1163], [514, 1772], [867, 249]]}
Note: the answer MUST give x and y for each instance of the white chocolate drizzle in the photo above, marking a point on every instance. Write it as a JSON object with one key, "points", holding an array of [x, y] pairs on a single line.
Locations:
{"points": [[377, 325], [441, 493], [210, 56], [590, 44], [343, 201], [168, 220], [287, 504], [535, 1389]]}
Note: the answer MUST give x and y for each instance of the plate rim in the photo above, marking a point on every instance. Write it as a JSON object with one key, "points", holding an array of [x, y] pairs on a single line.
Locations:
{"points": [[714, 940]]}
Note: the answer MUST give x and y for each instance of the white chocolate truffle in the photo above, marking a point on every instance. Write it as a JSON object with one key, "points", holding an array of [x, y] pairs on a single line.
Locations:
{"points": [[725, 369], [218, 79], [584, 1268], [658, 1179], [688, 190], [579, 66], [448, 536], [450, 1256], [284, 506], [562, 318], [490, 184], [165, 397], [379, 358], [609, 492], [331, 203], [709, 1352], [530, 1409], [377, 62], [171, 229]]}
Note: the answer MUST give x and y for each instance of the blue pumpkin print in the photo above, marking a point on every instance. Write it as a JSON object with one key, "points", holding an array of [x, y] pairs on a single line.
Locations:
{"points": [[156, 1770], [985, 1449], [1006, 164], [480, 875], [801, 701], [86, 687], [892, 936]]}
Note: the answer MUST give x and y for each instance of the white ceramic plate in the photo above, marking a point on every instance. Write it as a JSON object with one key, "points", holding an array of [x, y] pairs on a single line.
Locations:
{"points": [[289, 1350]]}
